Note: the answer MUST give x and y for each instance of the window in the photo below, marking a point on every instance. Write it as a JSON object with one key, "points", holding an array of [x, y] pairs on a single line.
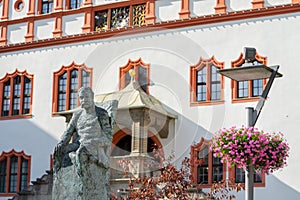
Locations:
{"points": [[113, 18], [205, 169], [46, 6], [238, 174], [206, 83], [16, 95], [141, 74], [124, 144], [248, 90], [14, 172], [73, 4], [67, 81]]}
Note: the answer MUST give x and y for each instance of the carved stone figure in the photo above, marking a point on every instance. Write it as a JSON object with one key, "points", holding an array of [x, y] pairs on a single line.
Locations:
{"points": [[81, 157]]}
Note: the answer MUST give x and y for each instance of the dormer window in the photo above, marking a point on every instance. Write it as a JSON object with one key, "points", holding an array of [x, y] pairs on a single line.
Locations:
{"points": [[140, 72]]}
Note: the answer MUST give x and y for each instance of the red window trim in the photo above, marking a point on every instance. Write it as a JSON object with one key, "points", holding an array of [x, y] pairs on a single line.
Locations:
{"points": [[11, 78], [68, 69], [125, 131], [40, 8], [238, 62], [16, 5], [232, 177], [109, 7], [20, 155], [68, 2], [193, 82], [135, 64], [195, 162]]}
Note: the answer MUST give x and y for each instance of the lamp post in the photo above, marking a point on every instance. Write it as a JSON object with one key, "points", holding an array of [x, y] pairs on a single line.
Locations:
{"points": [[246, 73]]}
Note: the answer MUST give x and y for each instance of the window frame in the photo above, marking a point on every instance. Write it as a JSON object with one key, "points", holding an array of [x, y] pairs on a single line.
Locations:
{"points": [[234, 84], [68, 4], [20, 157], [135, 65], [40, 6], [208, 63], [110, 7], [232, 174], [10, 78], [68, 69], [196, 162]]}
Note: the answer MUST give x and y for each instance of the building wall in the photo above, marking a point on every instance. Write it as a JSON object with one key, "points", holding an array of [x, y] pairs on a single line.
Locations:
{"points": [[170, 53]]}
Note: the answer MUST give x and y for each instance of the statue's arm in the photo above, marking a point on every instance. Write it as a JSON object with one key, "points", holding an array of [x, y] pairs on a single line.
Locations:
{"points": [[106, 124], [67, 135]]}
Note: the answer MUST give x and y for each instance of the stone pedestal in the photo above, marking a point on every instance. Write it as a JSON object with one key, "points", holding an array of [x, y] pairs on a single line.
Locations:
{"points": [[90, 184]]}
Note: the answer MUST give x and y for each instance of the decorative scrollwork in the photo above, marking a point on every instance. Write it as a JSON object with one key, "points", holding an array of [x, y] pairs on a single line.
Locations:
{"points": [[138, 17]]}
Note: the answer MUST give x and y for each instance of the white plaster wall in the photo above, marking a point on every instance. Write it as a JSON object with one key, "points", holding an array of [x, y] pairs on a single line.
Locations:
{"points": [[102, 2], [16, 33], [170, 54], [72, 24], [38, 135], [44, 28], [167, 10], [202, 7], [170, 63], [277, 2], [237, 5], [13, 14]]}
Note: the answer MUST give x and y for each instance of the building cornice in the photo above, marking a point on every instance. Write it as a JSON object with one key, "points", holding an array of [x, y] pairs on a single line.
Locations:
{"points": [[158, 26]]}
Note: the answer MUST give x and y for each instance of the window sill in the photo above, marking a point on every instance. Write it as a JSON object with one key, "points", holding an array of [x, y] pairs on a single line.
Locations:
{"points": [[16, 117], [206, 103], [7, 194], [244, 100], [200, 186], [263, 184]]}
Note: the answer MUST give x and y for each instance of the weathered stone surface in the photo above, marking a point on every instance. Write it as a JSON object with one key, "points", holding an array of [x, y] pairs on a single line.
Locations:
{"points": [[81, 158]]}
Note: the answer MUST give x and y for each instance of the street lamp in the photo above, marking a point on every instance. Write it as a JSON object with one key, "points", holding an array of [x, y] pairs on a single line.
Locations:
{"points": [[252, 71]]}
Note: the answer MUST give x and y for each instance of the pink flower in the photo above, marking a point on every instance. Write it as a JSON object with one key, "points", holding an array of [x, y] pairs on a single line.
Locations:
{"points": [[267, 152]]}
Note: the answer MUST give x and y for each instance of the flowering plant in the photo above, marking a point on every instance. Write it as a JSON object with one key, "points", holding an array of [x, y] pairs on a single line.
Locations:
{"points": [[249, 146]]}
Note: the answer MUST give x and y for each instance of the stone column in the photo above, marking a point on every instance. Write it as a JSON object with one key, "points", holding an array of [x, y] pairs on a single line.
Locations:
{"points": [[258, 4], [140, 121], [185, 10], [150, 12], [30, 31], [220, 7], [3, 34], [5, 8]]}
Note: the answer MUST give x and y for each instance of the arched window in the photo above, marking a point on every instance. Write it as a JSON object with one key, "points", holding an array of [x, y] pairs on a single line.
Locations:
{"points": [[141, 74], [206, 83], [244, 91], [14, 172], [67, 81], [205, 169], [122, 141], [16, 95]]}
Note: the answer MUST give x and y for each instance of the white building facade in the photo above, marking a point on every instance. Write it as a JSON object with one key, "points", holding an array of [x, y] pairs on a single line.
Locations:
{"points": [[51, 48]]}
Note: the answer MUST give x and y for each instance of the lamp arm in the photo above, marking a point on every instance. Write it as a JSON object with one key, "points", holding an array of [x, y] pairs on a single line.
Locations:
{"points": [[264, 95]]}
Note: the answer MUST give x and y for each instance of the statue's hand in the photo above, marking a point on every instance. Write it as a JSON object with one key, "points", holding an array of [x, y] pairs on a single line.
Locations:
{"points": [[58, 149]]}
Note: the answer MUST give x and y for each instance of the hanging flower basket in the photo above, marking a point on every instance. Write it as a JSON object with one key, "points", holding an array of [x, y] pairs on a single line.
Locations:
{"points": [[249, 146]]}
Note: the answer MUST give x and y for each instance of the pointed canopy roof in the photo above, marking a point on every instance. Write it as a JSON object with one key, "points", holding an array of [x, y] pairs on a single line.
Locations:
{"points": [[133, 96]]}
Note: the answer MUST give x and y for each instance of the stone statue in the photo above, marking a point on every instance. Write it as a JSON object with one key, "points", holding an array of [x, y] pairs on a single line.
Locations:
{"points": [[81, 157]]}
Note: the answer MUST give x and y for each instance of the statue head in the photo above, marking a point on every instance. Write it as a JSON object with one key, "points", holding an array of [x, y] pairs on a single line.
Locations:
{"points": [[86, 97]]}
